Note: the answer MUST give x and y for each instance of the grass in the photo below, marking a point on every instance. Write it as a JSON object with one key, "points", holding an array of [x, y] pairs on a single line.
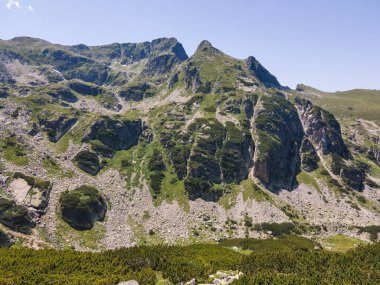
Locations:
{"points": [[308, 179], [54, 170], [89, 239], [13, 151], [356, 103], [341, 243]]}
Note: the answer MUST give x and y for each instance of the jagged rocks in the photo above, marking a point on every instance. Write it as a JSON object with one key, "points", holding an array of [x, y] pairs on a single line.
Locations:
{"points": [[159, 65], [261, 73], [309, 157], [322, 128], [277, 134], [56, 126], [88, 161], [192, 78], [82, 207]]}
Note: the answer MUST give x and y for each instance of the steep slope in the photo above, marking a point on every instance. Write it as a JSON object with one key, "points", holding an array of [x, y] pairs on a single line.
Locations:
{"points": [[178, 149]]}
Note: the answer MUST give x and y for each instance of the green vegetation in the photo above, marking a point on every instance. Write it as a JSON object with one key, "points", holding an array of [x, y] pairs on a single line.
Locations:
{"points": [[287, 260], [290, 242], [341, 243], [82, 207], [276, 229], [14, 151]]}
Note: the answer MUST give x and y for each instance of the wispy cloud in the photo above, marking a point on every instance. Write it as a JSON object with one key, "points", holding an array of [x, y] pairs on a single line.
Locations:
{"points": [[16, 4], [13, 3]]}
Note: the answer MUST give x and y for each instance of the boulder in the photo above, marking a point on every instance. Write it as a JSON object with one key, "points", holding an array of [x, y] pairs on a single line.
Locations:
{"points": [[88, 161], [82, 207]]}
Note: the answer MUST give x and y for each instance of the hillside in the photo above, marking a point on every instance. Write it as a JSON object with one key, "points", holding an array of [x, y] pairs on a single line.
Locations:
{"points": [[137, 143]]}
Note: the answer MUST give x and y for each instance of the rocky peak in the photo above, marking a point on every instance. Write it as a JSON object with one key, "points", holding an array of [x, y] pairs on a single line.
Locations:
{"points": [[205, 47], [261, 73]]}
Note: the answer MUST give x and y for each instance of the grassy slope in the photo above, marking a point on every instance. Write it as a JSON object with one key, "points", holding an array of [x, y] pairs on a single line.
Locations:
{"points": [[358, 103]]}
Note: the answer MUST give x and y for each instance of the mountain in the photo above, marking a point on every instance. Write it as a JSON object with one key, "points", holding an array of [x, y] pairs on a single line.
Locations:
{"points": [[137, 143]]}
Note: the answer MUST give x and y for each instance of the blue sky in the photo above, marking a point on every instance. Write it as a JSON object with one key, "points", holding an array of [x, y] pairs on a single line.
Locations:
{"points": [[329, 44]]}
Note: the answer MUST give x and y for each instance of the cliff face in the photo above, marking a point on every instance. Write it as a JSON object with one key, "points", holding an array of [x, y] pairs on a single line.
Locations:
{"points": [[278, 134], [322, 128]]}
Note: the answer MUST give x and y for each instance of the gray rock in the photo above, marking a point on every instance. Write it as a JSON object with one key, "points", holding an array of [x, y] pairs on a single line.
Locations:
{"points": [[130, 282]]}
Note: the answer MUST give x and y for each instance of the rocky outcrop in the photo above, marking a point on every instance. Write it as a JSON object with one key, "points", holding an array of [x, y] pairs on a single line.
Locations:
{"points": [[85, 88], [5, 240], [116, 134], [15, 217], [309, 157], [219, 154], [56, 126], [137, 91], [322, 128], [277, 135], [262, 74], [88, 161], [160, 65], [38, 195], [192, 78], [62, 92], [82, 207]]}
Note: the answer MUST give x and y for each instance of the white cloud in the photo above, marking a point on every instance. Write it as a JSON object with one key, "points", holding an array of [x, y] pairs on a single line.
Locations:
{"points": [[14, 3]]}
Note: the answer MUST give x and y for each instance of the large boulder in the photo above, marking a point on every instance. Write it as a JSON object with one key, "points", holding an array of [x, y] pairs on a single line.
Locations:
{"points": [[88, 161], [82, 207], [31, 191], [15, 217]]}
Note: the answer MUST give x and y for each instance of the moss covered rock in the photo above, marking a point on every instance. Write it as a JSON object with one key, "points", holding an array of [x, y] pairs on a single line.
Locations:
{"points": [[88, 161], [116, 134], [15, 217], [82, 207], [5, 240]]}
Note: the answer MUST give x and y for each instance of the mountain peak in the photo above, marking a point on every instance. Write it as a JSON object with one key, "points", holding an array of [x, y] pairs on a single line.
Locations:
{"points": [[206, 47], [268, 79]]}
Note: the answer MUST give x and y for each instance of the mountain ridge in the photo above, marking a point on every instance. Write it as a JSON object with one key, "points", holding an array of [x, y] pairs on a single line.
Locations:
{"points": [[181, 149]]}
